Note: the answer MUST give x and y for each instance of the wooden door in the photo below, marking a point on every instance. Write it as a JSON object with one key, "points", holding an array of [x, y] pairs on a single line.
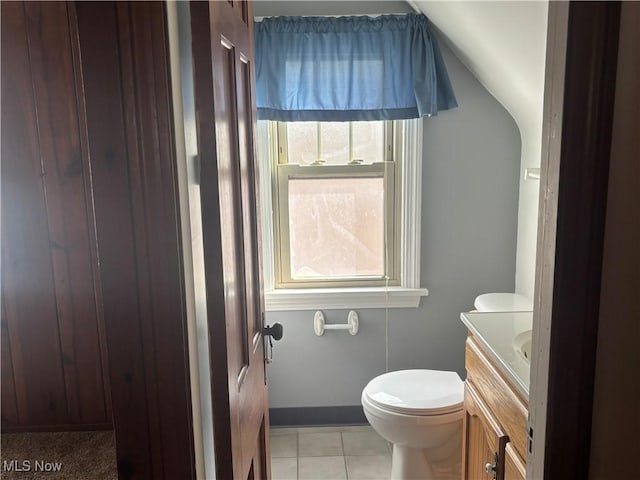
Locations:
{"points": [[484, 443], [230, 234]]}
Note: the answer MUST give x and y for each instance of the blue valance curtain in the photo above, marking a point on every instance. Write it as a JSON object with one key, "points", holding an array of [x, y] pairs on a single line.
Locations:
{"points": [[349, 68]]}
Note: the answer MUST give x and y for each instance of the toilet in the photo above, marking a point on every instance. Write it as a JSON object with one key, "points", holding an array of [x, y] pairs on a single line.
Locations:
{"points": [[502, 302], [420, 412]]}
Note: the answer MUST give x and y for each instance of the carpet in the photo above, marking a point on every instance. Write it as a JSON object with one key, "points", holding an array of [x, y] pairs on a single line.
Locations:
{"points": [[60, 455]]}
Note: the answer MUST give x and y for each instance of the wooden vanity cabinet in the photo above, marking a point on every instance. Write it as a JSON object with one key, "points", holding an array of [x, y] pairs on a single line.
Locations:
{"points": [[485, 440], [495, 423], [514, 468]]}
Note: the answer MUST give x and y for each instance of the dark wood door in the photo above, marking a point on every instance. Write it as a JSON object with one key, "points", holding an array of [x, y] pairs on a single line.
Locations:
{"points": [[231, 231], [232, 55]]}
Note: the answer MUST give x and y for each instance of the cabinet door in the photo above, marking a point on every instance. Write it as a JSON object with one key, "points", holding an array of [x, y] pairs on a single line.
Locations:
{"points": [[484, 441], [514, 468]]}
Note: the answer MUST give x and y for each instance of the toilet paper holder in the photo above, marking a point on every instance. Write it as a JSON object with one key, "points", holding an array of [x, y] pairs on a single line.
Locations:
{"points": [[352, 325]]}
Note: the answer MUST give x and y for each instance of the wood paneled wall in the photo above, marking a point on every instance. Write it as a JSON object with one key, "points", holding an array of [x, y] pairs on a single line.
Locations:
{"points": [[126, 80], [93, 315], [53, 355]]}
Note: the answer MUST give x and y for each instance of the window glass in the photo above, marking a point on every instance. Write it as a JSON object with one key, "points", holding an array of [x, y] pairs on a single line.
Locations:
{"points": [[336, 227], [302, 142], [335, 142], [368, 141]]}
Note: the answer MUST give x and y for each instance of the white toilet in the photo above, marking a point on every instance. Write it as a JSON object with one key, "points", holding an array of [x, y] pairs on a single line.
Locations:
{"points": [[502, 302], [420, 412]]}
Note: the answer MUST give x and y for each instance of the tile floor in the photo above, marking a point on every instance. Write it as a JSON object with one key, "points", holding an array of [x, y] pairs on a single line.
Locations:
{"points": [[324, 453]]}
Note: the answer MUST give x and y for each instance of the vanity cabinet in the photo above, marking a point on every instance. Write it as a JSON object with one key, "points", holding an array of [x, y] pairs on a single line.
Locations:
{"points": [[485, 439], [495, 424], [514, 467]]}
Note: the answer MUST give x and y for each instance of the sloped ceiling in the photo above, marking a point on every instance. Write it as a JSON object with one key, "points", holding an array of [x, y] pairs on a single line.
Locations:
{"points": [[503, 43]]}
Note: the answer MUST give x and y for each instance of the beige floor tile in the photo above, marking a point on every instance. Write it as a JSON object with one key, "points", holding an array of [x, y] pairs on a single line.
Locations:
{"points": [[284, 469], [364, 443], [322, 468], [336, 428], [285, 445], [357, 428], [319, 444], [282, 430], [368, 467]]}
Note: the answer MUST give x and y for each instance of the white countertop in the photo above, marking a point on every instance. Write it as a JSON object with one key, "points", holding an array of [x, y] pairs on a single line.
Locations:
{"points": [[496, 331]]}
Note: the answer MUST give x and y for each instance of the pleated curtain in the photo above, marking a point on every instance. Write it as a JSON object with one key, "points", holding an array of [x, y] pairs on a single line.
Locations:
{"points": [[349, 69]]}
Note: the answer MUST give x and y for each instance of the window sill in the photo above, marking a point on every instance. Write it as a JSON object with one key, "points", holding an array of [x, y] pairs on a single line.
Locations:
{"points": [[343, 298]]}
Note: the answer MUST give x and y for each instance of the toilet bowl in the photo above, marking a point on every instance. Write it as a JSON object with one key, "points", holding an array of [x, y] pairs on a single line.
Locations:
{"points": [[420, 412], [502, 302]]}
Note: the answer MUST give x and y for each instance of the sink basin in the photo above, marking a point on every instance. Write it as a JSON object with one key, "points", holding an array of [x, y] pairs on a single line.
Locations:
{"points": [[522, 346]]}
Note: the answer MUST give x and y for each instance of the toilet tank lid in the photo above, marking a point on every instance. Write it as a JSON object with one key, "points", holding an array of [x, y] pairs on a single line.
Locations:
{"points": [[417, 391], [502, 302]]}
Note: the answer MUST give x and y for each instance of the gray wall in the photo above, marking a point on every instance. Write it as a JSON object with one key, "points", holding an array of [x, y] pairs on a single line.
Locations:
{"points": [[469, 220]]}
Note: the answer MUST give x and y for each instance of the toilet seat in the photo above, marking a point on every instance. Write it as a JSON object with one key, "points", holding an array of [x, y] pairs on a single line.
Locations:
{"points": [[416, 392]]}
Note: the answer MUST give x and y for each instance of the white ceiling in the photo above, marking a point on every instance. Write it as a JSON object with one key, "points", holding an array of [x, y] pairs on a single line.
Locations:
{"points": [[503, 43]]}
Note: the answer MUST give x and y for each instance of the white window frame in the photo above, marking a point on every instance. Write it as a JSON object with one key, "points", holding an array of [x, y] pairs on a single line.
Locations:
{"points": [[285, 171], [405, 295]]}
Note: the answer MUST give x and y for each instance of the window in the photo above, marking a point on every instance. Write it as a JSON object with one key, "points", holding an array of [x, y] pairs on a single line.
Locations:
{"points": [[336, 193], [343, 227]]}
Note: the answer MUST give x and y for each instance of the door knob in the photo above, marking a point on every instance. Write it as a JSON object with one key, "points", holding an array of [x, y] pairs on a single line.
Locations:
{"points": [[492, 469], [272, 332], [275, 331]]}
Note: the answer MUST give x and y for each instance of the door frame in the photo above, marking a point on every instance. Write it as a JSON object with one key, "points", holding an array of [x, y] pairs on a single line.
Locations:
{"points": [[580, 78], [574, 174], [127, 117]]}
